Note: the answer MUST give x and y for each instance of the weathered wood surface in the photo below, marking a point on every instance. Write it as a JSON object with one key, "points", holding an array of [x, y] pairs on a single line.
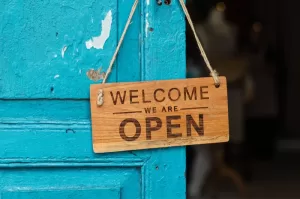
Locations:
{"points": [[159, 114]]}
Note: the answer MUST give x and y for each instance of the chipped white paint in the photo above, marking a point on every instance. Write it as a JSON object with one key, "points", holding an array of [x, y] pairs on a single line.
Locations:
{"points": [[55, 55], [147, 24], [56, 76], [98, 42], [63, 50]]}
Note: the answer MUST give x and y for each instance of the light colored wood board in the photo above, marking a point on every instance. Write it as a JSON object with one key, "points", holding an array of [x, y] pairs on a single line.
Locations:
{"points": [[200, 103]]}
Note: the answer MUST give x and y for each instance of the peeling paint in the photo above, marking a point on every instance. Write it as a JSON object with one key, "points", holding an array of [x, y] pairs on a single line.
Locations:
{"points": [[63, 50], [147, 24], [148, 2], [95, 75], [98, 42], [33, 102], [56, 76]]}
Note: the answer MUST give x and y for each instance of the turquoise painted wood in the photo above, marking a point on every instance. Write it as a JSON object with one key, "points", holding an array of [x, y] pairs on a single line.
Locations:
{"points": [[45, 131]]}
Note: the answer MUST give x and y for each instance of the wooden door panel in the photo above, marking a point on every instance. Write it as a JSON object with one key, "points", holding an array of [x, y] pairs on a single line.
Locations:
{"points": [[66, 181], [45, 130], [64, 194], [44, 46], [158, 175]]}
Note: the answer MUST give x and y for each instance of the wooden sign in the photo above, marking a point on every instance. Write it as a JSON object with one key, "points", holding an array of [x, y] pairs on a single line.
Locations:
{"points": [[144, 115]]}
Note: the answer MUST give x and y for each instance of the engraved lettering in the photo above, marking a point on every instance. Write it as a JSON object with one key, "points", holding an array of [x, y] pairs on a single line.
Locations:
{"points": [[190, 96], [144, 100], [154, 109], [155, 93], [175, 108], [202, 92], [191, 122], [137, 131], [131, 96], [178, 94], [147, 110], [118, 95], [171, 126], [150, 128]]}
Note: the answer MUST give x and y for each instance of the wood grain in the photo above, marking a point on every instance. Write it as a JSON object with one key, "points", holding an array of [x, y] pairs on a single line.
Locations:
{"points": [[182, 112]]}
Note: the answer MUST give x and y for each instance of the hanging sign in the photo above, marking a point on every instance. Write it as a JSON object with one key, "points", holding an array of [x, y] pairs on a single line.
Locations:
{"points": [[158, 114]]}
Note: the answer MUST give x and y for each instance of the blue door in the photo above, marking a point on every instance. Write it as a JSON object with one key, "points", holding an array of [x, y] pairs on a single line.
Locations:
{"points": [[46, 49]]}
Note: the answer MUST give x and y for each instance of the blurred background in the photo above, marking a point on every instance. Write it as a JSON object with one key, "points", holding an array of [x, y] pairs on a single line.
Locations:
{"points": [[254, 43]]}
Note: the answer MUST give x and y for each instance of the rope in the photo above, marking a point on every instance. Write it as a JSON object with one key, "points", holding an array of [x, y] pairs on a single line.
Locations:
{"points": [[213, 72], [121, 41]]}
